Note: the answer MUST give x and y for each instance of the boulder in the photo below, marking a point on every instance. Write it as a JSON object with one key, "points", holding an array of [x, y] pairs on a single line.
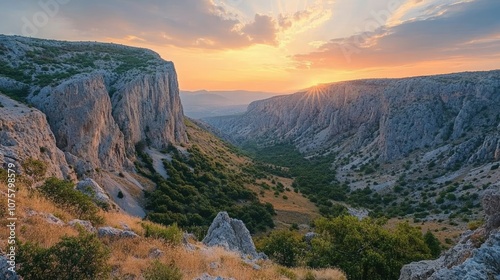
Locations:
{"points": [[51, 219], [5, 273], [84, 224], [232, 235], [114, 233], [90, 188]]}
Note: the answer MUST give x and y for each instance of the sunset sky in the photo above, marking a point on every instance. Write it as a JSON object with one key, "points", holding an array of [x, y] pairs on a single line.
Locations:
{"points": [[278, 45]]}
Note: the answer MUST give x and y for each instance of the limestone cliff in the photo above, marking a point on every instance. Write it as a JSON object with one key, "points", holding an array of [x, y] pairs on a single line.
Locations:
{"points": [[100, 99], [94, 102], [389, 117], [25, 134]]}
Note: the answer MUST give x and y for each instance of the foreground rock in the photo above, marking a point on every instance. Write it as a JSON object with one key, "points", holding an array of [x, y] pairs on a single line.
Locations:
{"points": [[5, 273], [232, 235], [469, 259], [114, 233]]}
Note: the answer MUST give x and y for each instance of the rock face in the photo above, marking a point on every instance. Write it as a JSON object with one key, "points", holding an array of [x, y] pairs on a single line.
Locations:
{"points": [[24, 134], [467, 259], [5, 273], [79, 114], [389, 117], [94, 102], [90, 188], [100, 99], [232, 235], [149, 108]]}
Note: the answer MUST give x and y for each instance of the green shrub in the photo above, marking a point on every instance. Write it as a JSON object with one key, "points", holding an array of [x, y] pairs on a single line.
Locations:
{"points": [[63, 193], [82, 257], [364, 249], [284, 247], [433, 243], [34, 168], [160, 271], [171, 234]]}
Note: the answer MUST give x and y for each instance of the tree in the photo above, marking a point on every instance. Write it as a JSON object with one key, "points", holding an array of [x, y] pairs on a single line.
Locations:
{"points": [[433, 243]]}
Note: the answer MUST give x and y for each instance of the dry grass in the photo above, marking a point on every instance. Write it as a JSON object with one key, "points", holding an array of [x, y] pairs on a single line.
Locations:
{"points": [[130, 257], [295, 209]]}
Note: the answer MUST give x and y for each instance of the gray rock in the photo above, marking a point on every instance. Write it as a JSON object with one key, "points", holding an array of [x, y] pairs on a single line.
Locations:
{"points": [[90, 188], [115, 233], [465, 260], [483, 264], [51, 219], [84, 224], [5, 273], [156, 253], [26, 134], [491, 206], [310, 236], [232, 235], [99, 114]]}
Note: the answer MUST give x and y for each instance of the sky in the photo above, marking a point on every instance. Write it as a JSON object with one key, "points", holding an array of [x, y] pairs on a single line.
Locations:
{"points": [[278, 45]]}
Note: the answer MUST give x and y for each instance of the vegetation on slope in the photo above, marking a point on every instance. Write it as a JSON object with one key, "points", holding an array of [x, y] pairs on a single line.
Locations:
{"points": [[199, 186], [362, 249]]}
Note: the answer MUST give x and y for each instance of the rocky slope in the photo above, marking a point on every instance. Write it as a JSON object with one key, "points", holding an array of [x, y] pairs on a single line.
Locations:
{"points": [[431, 145], [94, 102], [389, 117], [476, 256]]}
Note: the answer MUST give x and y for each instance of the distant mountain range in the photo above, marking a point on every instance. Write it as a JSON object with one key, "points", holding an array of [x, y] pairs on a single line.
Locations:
{"points": [[203, 103]]}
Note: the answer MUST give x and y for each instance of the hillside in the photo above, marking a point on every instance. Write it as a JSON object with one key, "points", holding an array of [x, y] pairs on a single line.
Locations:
{"points": [[423, 147]]}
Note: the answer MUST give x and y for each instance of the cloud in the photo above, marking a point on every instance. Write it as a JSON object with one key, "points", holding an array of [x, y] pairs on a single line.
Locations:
{"points": [[187, 23], [468, 29]]}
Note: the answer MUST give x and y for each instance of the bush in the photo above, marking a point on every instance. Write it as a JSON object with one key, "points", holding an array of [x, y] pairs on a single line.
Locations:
{"points": [[364, 249], [63, 193], [160, 271], [284, 247], [433, 243], [82, 257], [34, 168], [171, 234]]}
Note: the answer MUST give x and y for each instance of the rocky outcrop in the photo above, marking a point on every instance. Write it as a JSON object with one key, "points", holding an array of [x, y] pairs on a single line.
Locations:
{"points": [[388, 117], [94, 102], [25, 134], [90, 188], [469, 259], [115, 233], [5, 273], [149, 108], [79, 114], [100, 99], [83, 224], [491, 206], [232, 235]]}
